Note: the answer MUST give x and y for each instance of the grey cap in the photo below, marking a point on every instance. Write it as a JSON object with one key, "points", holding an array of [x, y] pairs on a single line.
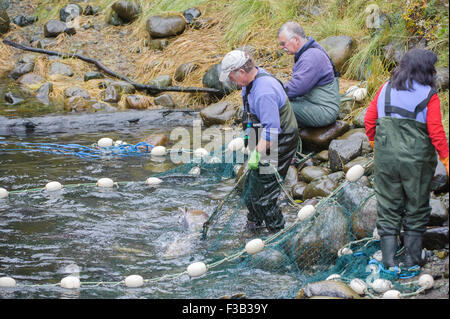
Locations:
{"points": [[232, 61]]}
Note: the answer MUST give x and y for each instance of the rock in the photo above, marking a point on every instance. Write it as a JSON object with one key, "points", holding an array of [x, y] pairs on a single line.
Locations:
{"points": [[357, 133], [31, 79], [27, 58], [309, 173], [114, 19], [4, 22], [358, 120], [163, 27], [319, 138], [339, 48], [60, 68], [161, 81], [439, 214], [111, 94], [44, 43], [157, 140], [394, 51], [323, 156], [76, 103], [21, 69], [320, 187], [164, 100], [53, 28], [191, 14], [439, 183], [327, 288], [43, 92], [76, 91], [336, 177], [101, 106], [340, 152], [211, 80], [358, 160], [217, 113], [291, 178], [23, 21], [435, 238], [442, 78], [298, 190], [123, 87], [158, 44], [271, 259], [183, 70], [93, 75], [70, 12], [128, 11], [138, 102], [13, 99]]}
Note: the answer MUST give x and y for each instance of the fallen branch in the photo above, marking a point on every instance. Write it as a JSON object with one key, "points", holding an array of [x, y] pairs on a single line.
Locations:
{"points": [[152, 89]]}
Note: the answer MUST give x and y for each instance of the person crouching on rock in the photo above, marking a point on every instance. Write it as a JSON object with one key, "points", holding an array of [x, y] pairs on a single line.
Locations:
{"points": [[403, 123], [271, 126]]}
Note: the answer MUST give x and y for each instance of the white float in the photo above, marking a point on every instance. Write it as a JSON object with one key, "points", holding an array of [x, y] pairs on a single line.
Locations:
{"points": [[53, 186], [153, 181], [334, 277], [360, 94], [3, 193], [375, 234], [381, 285], [215, 160], [358, 285], [344, 251], [306, 212], [354, 173], [351, 90], [254, 246], [105, 182], [7, 282], [236, 144], [134, 281], [426, 281], [105, 142], [194, 171], [196, 269], [200, 152], [158, 151], [392, 294], [70, 282]]}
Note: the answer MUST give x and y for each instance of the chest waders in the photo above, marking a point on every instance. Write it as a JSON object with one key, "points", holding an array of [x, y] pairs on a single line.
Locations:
{"points": [[261, 189], [405, 163]]}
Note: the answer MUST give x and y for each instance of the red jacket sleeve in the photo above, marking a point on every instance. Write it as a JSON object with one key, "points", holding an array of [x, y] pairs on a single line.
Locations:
{"points": [[371, 117], [435, 128]]}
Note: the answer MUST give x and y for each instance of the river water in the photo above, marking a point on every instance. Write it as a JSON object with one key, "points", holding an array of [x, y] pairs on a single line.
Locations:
{"points": [[109, 234]]}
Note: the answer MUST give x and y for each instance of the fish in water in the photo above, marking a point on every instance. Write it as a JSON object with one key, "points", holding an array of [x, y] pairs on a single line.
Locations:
{"points": [[192, 220]]}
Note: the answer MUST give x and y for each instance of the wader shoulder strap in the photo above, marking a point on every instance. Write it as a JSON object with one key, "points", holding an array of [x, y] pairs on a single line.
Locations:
{"points": [[249, 88], [389, 109]]}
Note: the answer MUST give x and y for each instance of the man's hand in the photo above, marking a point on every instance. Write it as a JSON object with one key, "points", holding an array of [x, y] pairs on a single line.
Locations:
{"points": [[253, 161]]}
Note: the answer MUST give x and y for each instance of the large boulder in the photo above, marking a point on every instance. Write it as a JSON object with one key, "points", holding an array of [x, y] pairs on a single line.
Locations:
{"points": [[217, 113], [128, 11], [183, 70], [163, 27], [339, 48], [439, 183], [442, 78], [42, 94], [320, 187], [53, 28], [211, 80], [435, 238], [309, 173], [319, 138], [60, 68], [21, 69], [31, 79], [4, 21], [340, 152], [191, 14], [439, 214]]}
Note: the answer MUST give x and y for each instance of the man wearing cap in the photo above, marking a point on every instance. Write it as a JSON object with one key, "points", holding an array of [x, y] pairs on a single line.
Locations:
{"points": [[273, 136], [314, 87]]}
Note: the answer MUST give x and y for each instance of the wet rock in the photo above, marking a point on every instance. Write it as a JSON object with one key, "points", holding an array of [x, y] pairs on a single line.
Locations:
{"points": [[337, 177], [76, 91], [164, 100], [60, 68], [358, 160], [23, 21], [442, 78], [128, 11], [158, 44], [339, 48], [298, 190], [183, 70], [161, 81], [191, 14], [357, 133], [4, 22], [323, 156], [340, 152], [76, 103], [320, 187], [163, 27], [93, 75], [308, 174], [318, 139], [272, 260], [53, 28], [435, 238], [13, 99], [217, 113], [291, 178], [439, 214], [31, 79], [358, 120], [70, 12], [211, 80], [365, 218], [138, 102], [327, 288], [43, 92], [157, 140], [21, 69]]}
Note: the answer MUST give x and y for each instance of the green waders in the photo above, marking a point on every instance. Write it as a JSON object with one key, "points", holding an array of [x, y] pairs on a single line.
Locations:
{"points": [[318, 108], [405, 163], [261, 190]]}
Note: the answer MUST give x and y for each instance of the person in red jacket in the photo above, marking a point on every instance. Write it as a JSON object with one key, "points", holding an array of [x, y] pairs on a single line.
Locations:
{"points": [[403, 124]]}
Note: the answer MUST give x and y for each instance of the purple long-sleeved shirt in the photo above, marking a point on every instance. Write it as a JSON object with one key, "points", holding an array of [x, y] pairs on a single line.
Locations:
{"points": [[312, 68]]}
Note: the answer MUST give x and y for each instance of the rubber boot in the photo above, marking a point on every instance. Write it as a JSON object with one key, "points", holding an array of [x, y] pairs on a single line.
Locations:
{"points": [[388, 249], [412, 242]]}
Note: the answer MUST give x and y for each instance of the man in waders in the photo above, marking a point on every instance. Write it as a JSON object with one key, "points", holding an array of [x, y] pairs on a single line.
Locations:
{"points": [[314, 88], [403, 123], [272, 137]]}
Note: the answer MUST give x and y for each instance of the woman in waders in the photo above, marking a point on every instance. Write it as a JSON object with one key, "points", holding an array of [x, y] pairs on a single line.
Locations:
{"points": [[403, 124]]}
